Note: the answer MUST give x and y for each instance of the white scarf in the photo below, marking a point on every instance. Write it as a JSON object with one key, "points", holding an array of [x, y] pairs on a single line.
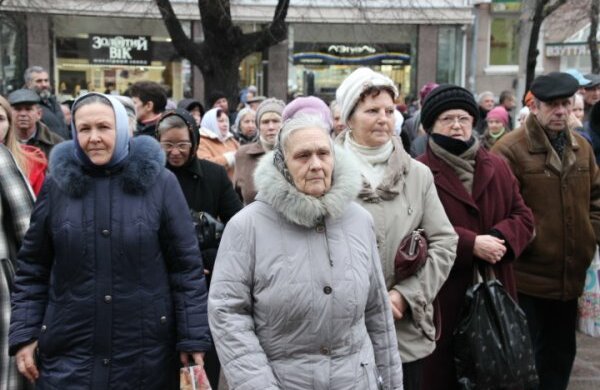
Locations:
{"points": [[372, 160]]}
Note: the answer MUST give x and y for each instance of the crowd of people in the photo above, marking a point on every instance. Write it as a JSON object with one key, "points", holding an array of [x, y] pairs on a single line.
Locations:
{"points": [[112, 210]]}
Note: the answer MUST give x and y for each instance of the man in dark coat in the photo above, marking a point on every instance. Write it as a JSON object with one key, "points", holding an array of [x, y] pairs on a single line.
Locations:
{"points": [[26, 117], [37, 80], [560, 182]]}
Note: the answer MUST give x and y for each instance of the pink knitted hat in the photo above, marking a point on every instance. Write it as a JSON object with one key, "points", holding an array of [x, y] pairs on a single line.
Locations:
{"points": [[500, 114], [308, 105]]}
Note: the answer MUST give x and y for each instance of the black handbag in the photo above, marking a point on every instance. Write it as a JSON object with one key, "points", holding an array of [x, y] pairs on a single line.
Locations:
{"points": [[492, 344], [208, 231]]}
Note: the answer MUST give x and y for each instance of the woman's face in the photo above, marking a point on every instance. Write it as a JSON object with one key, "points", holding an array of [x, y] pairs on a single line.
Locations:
{"points": [[373, 120], [577, 109], [309, 160], [96, 131], [4, 124], [176, 144], [269, 126], [223, 123], [248, 125], [494, 125], [457, 124], [197, 114]]}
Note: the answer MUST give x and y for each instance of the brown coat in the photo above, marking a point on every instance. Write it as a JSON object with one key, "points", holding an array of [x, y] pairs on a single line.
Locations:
{"points": [[217, 151], [246, 160], [565, 200]]}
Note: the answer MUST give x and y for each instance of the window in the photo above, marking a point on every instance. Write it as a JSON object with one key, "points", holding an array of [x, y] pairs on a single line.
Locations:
{"points": [[504, 48]]}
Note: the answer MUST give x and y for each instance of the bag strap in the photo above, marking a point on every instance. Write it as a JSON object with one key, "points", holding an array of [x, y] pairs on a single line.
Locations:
{"points": [[482, 272]]}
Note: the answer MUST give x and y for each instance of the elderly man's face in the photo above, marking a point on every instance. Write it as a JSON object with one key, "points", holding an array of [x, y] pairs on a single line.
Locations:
{"points": [[553, 115], [309, 159], [40, 82], [25, 116], [487, 102]]}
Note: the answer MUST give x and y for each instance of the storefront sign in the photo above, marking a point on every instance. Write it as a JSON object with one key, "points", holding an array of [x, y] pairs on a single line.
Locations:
{"points": [[120, 49], [351, 54], [574, 49]]}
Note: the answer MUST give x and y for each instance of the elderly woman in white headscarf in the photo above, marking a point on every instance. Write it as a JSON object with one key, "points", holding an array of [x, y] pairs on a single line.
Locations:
{"points": [[400, 195], [217, 143], [298, 299]]}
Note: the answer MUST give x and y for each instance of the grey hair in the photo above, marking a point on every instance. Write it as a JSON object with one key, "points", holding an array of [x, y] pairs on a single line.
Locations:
{"points": [[95, 98], [301, 122], [577, 97], [482, 95], [170, 122], [27, 76]]}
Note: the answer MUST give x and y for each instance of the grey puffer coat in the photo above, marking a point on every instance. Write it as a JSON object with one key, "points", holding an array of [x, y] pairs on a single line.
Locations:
{"points": [[298, 299]]}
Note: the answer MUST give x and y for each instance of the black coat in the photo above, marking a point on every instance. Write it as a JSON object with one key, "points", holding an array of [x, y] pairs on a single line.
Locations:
{"points": [[207, 188]]}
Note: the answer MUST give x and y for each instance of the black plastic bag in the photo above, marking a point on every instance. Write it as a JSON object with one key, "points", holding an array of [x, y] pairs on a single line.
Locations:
{"points": [[492, 344]]}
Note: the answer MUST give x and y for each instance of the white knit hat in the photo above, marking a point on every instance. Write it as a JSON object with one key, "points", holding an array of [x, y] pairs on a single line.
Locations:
{"points": [[350, 89]]}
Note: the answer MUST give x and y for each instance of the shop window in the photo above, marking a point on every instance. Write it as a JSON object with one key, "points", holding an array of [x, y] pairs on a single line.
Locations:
{"points": [[449, 59], [504, 47]]}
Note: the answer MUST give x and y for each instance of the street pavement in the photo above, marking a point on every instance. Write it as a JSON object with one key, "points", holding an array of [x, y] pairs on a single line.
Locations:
{"points": [[586, 370]]}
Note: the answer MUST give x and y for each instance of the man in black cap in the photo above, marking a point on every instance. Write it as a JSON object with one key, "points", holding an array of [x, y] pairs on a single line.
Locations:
{"points": [[591, 94], [26, 118], [560, 182], [36, 79]]}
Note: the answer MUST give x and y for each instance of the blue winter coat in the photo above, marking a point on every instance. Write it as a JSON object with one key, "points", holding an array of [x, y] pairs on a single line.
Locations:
{"points": [[110, 277]]}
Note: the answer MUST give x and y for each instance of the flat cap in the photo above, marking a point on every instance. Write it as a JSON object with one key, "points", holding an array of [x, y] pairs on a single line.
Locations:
{"points": [[23, 96], [555, 85], [580, 79], [594, 80]]}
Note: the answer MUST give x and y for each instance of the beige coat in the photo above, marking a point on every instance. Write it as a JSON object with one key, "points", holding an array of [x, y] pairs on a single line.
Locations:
{"points": [[415, 204], [217, 151]]}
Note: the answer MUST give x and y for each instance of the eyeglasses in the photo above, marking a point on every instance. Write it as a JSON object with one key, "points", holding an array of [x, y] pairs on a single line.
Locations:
{"points": [[450, 120], [181, 146]]}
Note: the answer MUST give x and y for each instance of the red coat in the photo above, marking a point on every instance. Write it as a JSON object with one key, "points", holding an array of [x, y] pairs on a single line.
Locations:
{"points": [[37, 166], [495, 203]]}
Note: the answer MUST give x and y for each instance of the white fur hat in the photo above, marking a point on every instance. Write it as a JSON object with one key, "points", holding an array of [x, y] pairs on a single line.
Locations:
{"points": [[349, 91]]}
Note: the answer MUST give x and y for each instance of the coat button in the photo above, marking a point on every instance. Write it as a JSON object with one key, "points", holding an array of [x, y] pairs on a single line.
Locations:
{"points": [[327, 290], [320, 228], [105, 232], [44, 327], [324, 351], [107, 299], [106, 362], [163, 319]]}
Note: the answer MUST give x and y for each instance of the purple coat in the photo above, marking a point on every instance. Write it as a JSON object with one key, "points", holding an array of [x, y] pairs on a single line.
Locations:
{"points": [[495, 203]]}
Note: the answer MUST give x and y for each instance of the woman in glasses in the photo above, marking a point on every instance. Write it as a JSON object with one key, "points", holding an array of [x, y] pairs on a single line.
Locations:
{"points": [[205, 185], [482, 200]]}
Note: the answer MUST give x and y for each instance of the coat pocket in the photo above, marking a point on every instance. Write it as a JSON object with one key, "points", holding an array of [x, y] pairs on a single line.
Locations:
{"points": [[368, 377], [50, 339]]}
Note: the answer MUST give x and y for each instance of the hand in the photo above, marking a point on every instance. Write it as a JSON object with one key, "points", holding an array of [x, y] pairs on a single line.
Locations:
{"points": [[26, 361], [198, 358], [398, 304], [489, 248]]}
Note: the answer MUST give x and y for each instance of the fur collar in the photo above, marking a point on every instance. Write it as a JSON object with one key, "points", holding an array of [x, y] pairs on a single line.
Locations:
{"points": [[302, 209], [143, 165]]}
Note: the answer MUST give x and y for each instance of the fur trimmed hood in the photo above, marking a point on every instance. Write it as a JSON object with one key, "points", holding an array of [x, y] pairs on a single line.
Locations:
{"points": [[302, 209], [143, 165]]}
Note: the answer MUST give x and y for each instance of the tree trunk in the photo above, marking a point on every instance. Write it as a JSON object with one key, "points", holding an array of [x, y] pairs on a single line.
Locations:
{"points": [[592, 39], [223, 75], [532, 51]]}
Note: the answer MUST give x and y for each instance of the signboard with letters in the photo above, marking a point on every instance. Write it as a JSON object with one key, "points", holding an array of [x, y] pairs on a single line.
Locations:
{"points": [[351, 54], [133, 50]]}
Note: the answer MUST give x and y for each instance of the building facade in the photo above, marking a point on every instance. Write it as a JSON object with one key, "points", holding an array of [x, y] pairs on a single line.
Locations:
{"points": [[107, 45]]}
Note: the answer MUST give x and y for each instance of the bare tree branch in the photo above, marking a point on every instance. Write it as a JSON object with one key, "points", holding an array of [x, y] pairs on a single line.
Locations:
{"points": [[549, 8], [592, 38]]}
